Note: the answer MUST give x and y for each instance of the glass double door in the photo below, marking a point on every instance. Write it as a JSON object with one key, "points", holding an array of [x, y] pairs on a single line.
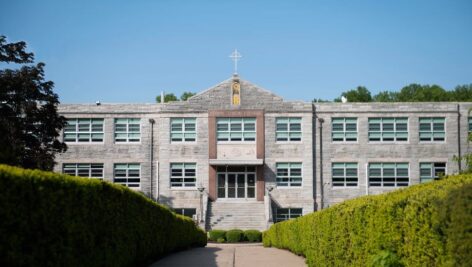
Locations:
{"points": [[236, 185]]}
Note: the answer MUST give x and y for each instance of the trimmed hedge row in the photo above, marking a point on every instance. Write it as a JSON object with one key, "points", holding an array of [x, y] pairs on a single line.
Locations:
{"points": [[49, 219], [423, 225], [235, 235]]}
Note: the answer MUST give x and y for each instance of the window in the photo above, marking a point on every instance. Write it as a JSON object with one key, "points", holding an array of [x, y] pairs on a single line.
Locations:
{"points": [[432, 129], [289, 129], [344, 174], [344, 129], [432, 171], [84, 130], [127, 130], [128, 174], [236, 129], [183, 174], [289, 174], [183, 129], [186, 212], [470, 125], [92, 170], [288, 213], [388, 174], [388, 129]]}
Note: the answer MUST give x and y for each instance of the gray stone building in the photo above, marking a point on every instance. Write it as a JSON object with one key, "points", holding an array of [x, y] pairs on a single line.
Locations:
{"points": [[239, 156]]}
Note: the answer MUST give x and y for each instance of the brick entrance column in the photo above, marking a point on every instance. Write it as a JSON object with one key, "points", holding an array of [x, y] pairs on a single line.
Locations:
{"points": [[260, 146]]}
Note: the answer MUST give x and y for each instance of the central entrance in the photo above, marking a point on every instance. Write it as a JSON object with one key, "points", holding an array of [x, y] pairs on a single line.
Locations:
{"points": [[236, 182]]}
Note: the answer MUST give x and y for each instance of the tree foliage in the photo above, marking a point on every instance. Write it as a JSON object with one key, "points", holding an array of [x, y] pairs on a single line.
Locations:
{"points": [[422, 93], [29, 122], [186, 95], [167, 98], [171, 97], [411, 93], [360, 94]]}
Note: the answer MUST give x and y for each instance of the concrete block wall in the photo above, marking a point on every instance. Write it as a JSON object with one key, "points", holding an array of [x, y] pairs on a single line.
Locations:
{"points": [[290, 197], [413, 151], [308, 152], [108, 152], [175, 152]]}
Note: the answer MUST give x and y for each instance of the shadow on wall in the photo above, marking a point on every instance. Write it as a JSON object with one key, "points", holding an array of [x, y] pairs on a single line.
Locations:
{"points": [[166, 201], [204, 257]]}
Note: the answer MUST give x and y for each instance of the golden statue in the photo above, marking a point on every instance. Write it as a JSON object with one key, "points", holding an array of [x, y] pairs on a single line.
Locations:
{"points": [[236, 96]]}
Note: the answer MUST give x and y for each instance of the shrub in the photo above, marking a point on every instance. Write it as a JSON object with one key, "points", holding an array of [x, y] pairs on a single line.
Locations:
{"points": [[214, 235], [253, 235], [234, 235], [425, 225], [220, 240], [386, 258], [49, 219]]}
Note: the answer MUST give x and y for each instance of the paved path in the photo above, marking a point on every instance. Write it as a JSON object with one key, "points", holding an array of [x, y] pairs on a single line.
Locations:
{"points": [[232, 255]]}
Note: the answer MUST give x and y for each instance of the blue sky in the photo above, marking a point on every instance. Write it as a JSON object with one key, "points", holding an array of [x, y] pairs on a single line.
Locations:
{"points": [[128, 51]]}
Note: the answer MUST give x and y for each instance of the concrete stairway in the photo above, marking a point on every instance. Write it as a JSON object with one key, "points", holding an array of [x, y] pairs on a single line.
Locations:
{"points": [[236, 215]]}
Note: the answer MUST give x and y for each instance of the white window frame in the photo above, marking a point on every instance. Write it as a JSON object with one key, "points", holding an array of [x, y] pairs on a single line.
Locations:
{"points": [[433, 171], [431, 131], [291, 135], [382, 176], [92, 168], [183, 130], [382, 131], [128, 167], [289, 176], [129, 123], [77, 132], [288, 214], [470, 125], [247, 136], [183, 184], [344, 176], [344, 131]]}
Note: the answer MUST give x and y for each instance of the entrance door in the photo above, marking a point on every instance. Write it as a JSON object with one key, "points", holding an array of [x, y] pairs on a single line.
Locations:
{"points": [[236, 184]]}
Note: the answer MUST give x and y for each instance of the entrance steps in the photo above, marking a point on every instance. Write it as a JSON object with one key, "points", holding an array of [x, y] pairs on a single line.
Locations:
{"points": [[242, 215]]}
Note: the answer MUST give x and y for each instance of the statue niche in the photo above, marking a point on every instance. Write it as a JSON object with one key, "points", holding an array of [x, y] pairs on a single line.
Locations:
{"points": [[236, 94]]}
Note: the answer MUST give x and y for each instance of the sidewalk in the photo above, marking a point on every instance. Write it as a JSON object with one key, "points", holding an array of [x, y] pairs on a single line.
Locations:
{"points": [[232, 255]]}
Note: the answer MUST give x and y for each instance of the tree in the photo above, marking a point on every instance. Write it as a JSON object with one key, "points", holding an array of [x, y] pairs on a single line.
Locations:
{"points": [[360, 94], [186, 95], [386, 96], [29, 122], [320, 100], [422, 93], [167, 98], [462, 93]]}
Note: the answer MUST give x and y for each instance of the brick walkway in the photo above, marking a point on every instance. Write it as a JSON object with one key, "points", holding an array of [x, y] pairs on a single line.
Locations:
{"points": [[232, 255]]}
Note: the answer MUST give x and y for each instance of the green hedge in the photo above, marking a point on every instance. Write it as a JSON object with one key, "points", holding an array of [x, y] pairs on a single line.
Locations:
{"points": [[423, 225], [253, 235], [214, 235], [235, 235], [49, 219]]}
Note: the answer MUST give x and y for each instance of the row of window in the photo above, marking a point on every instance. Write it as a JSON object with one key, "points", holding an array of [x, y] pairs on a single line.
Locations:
{"points": [[129, 174], [388, 129], [384, 174], [289, 174], [128, 130], [281, 214], [288, 129]]}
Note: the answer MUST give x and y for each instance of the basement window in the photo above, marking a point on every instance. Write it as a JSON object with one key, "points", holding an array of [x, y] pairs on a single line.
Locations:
{"points": [[432, 171], [283, 214]]}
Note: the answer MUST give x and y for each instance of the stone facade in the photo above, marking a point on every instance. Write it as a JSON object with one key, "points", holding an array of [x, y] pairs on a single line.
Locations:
{"points": [[316, 151]]}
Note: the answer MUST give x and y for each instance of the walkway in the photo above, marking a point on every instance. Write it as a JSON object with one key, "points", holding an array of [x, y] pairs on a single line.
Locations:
{"points": [[232, 255]]}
